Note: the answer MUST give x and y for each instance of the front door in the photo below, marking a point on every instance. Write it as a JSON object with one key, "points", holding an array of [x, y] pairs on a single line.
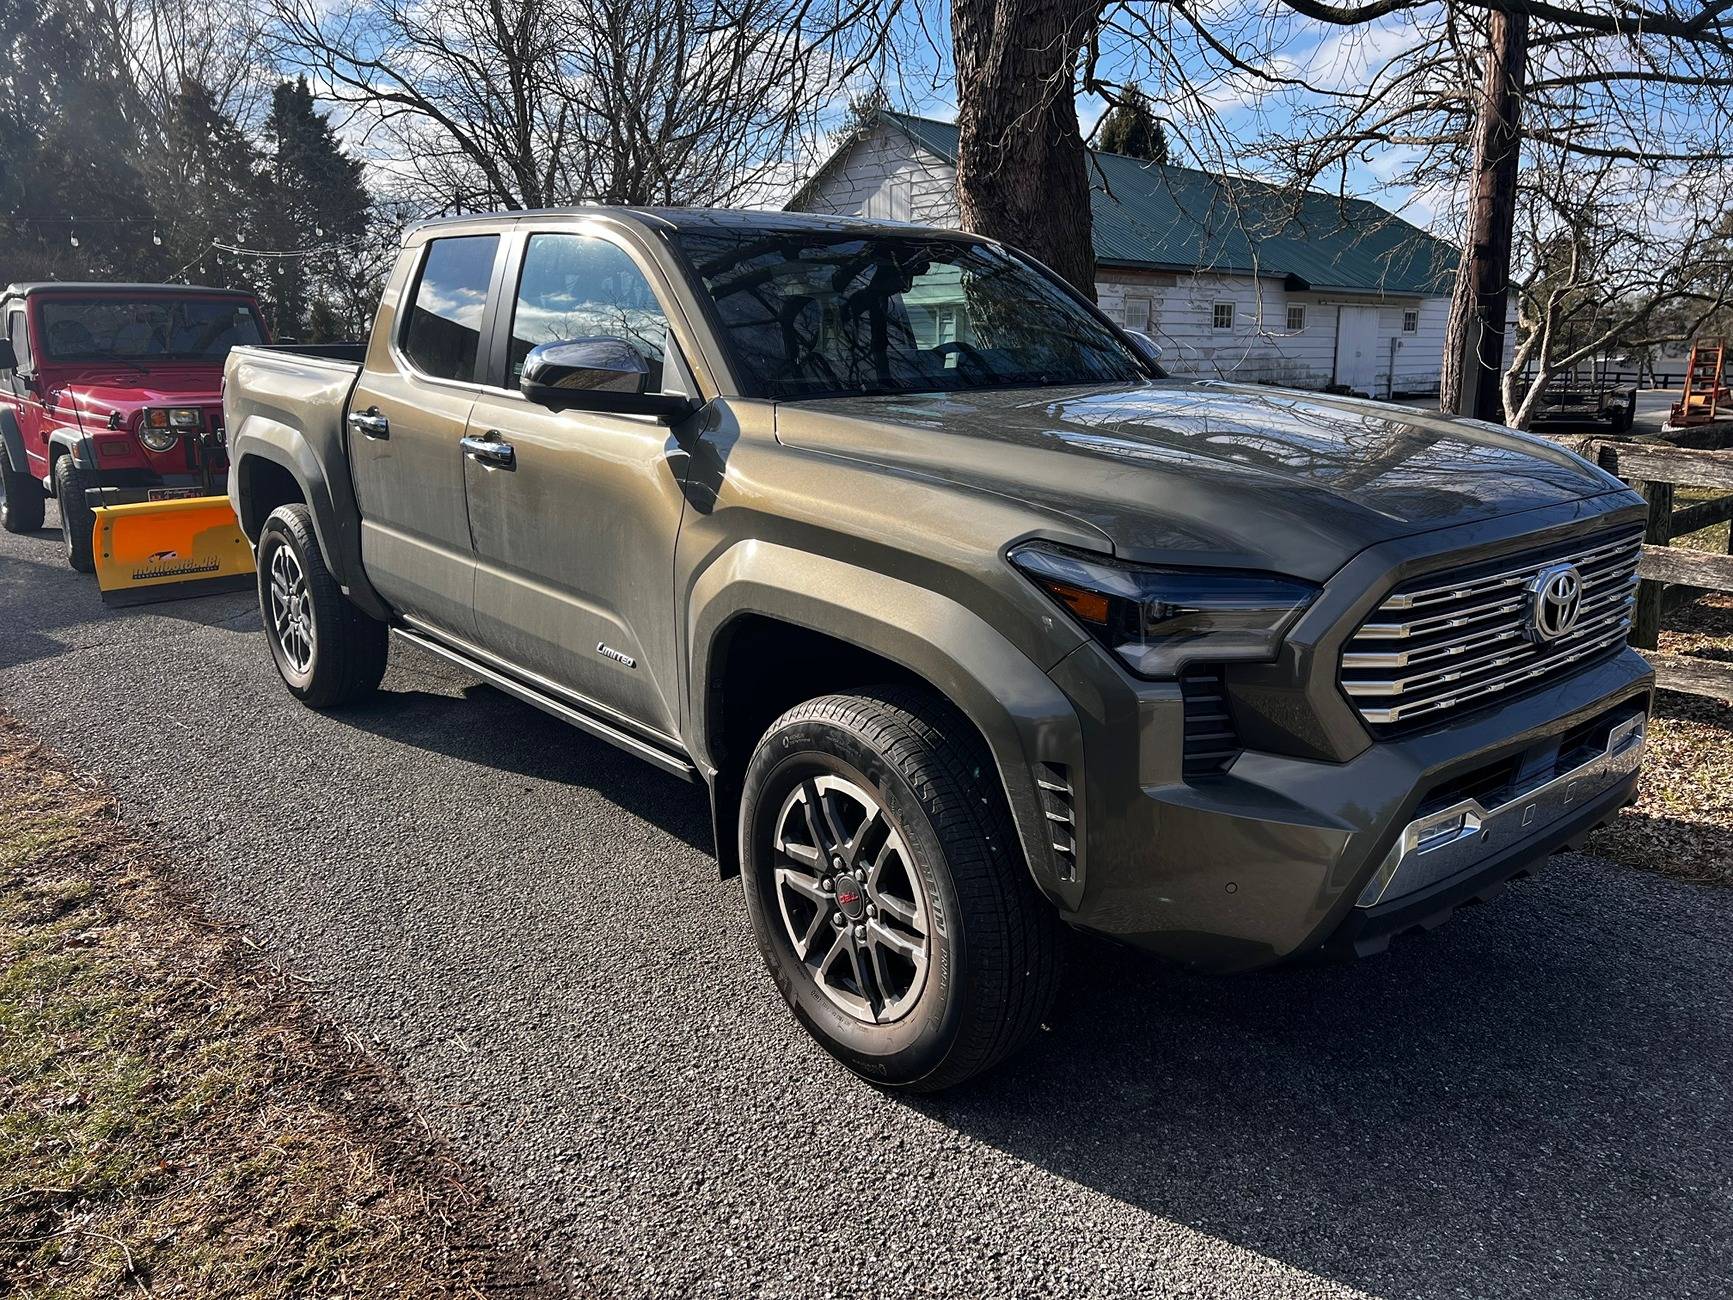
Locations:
{"points": [[407, 419], [1357, 348], [575, 516], [19, 398]]}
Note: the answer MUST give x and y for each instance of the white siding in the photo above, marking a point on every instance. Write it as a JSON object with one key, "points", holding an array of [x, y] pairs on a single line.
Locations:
{"points": [[883, 174]]}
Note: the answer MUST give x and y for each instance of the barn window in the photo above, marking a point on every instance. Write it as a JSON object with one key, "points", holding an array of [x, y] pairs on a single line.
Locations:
{"points": [[1223, 318], [1411, 321], [1296, 319], [1137, 314]]}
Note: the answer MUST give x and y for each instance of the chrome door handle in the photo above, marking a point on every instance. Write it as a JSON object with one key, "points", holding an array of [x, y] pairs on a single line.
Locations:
{"points": [[370, 423], [490, 451]]}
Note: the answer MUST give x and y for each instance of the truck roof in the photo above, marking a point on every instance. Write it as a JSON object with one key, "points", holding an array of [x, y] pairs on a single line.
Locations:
{"points": [[25, 288], [672, 219]]}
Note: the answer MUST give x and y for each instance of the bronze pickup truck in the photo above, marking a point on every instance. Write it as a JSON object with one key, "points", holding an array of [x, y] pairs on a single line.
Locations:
{"points": [[973, 623]]}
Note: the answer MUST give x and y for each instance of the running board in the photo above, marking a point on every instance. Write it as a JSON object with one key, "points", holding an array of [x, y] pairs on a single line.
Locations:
{"points": [[670, 763]]}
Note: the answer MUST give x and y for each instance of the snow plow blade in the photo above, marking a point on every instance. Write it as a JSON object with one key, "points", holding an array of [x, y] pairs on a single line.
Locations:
{"points": [[170, 550]]}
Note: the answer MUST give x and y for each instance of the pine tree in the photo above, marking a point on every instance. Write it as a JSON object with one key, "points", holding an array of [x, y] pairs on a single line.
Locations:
{"points": [[316, 200], [210, 175], [1131, 128]]}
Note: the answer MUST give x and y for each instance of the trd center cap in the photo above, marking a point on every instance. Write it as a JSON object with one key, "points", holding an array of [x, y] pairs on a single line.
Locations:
{"points": [[851, 898]]}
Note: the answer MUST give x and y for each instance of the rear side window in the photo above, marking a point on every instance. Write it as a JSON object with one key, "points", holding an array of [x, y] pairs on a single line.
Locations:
{"points": [[442, 336]]}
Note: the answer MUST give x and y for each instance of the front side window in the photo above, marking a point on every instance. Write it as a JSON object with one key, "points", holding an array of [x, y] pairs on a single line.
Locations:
{"points": [[825, 314], [442, 336], [145, 328], [582, 287]]}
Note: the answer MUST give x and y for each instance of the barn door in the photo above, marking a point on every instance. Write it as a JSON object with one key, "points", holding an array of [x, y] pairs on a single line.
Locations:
{"points": [[1357, 348]]}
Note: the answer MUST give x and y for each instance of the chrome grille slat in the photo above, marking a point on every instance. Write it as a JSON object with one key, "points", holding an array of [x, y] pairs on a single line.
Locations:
{"points": [[1467, 639]]}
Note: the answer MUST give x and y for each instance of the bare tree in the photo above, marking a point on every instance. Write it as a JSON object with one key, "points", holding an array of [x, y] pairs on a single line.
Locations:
{"points": [[528, 103]]}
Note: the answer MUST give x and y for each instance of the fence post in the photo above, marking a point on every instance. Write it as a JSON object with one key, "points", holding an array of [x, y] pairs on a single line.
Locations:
{"points": [[1646, 623]]}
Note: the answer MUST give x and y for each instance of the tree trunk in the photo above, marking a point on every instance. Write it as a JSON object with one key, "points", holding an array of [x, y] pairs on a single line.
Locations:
{"points": [[1474, 339], [1022, 170]]}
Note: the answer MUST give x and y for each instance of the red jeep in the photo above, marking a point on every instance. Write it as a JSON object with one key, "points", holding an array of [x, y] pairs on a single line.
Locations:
{"points": [[110, 394]]}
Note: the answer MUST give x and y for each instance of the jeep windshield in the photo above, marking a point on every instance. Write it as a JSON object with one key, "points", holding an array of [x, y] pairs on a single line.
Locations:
{"points": [[145, 329], [817, 314]]}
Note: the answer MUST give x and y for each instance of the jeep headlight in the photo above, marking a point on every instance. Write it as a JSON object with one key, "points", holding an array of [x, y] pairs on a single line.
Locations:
{"points": [[1158, 619], [161, 426]]}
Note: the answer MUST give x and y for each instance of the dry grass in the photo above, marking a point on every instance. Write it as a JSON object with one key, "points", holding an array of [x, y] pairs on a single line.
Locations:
{"points": [[1682, 822], [174, 1121]]}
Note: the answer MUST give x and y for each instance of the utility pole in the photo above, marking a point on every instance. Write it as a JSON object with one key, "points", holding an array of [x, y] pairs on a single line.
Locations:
{"points": [[1474, 358]]}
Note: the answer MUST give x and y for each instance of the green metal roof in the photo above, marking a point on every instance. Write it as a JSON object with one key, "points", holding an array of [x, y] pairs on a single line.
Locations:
{"points": [[1178, 218]]}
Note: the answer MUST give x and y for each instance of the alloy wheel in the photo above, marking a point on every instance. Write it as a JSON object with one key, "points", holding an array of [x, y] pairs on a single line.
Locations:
{"points": [[291, 609], [851, 901]]}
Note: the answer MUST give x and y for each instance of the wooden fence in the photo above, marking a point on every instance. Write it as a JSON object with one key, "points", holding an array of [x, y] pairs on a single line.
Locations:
{"points": [[1673, 575]]}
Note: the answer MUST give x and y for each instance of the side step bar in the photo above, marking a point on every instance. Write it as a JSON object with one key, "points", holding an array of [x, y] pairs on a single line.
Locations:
{"points": [[670, 763]]}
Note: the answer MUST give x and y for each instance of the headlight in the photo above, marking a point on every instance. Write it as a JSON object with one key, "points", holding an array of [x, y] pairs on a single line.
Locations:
{"points": [[1158, 619], [160, 427]]}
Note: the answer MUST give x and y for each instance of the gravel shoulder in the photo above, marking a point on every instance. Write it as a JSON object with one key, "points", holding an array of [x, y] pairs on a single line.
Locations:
{"points": [[1531, 1101]]}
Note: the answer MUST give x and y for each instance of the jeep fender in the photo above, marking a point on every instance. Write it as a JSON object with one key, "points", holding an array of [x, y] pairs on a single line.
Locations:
{"points": [[336, 518], [1025, 719], [12, 440]]}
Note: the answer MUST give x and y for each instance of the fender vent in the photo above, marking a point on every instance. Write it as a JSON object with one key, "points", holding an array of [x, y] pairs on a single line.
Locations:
{"points": [[1210, 740], [1058, 803]]}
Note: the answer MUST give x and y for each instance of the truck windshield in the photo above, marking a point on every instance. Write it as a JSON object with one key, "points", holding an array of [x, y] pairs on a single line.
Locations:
{"points": [[146, 328], [822, 314]]}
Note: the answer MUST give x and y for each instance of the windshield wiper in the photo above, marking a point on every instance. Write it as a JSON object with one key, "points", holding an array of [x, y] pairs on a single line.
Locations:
{"points": [[101, 358]]}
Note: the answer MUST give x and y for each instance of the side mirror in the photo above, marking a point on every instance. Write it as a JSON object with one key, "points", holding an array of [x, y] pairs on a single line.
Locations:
{"points": [[8, 358], [1147, 348], [600, 374]]}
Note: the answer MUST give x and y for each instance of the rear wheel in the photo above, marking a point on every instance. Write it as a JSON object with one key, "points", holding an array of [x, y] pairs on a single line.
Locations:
{"points": [[77, 523], [888, 891], [328, 651], [21, 505]]}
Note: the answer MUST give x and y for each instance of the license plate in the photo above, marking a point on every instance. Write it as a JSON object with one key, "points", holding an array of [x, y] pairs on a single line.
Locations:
{"points": [[172, 494]]}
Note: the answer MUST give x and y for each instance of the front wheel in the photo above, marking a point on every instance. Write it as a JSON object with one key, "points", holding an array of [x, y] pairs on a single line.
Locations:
{"points": [[888, 892], [328, 651], [77, 522]]}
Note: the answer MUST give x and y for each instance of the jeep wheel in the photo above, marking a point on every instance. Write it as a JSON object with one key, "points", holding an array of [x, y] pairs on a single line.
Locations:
{"points": [[21, 499], [77, 523], [329, 652], [888, 891]]}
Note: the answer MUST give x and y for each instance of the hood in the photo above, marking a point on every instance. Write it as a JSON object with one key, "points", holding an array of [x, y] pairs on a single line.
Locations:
{"points": [[128, 392], [1173, 472]]}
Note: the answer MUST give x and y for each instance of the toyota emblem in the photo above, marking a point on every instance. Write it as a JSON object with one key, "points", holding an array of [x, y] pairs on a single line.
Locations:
{"points": [[1555, 601]]}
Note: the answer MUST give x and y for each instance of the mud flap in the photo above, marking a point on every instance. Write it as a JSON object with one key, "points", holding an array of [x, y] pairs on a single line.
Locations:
{"points": [[170, 550]]}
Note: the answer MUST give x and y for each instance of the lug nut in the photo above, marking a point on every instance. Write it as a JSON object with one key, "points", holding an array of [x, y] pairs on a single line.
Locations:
{"points": [[860, 932], [871, 910], [827, 884], [839, 921]]}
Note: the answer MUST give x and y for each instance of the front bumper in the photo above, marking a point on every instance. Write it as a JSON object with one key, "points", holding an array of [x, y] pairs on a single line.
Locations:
{"points": [[156, 487], [1274, 857]]}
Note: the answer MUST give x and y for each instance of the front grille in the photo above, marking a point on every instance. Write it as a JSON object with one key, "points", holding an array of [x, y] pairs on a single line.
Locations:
{"points": [[1447, 641]]}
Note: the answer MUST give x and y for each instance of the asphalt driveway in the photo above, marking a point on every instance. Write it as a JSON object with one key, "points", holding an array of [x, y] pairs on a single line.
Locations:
{"points": [[1534, 1100]]}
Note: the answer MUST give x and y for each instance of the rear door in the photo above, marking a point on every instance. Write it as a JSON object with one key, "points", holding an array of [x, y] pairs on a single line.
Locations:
{"points": [[574, 535], [407, 419]]}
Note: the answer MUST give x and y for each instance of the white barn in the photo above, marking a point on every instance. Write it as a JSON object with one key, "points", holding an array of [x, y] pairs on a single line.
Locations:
{"points": [[1234, 278]]}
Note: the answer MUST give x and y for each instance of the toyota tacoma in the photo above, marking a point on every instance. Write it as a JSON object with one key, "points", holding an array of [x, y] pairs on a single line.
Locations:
{"points": [[974, 624]]}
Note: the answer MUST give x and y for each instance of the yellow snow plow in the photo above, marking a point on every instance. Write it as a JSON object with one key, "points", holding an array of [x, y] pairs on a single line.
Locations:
{"points": [[170, 550]]}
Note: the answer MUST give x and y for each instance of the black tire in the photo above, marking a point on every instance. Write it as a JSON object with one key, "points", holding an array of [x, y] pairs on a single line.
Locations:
{"points": [[77, 523], [345, 650], [21, 499], [994, 947]]}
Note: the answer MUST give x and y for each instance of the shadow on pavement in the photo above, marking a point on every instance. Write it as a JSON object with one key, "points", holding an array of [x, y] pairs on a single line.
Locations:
{"points": [[492, 729], [1530, 1101]]}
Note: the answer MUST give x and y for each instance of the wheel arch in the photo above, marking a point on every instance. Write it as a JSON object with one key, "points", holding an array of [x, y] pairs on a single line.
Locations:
{"points": [[266, 458], [769, 626], [12, 442]]}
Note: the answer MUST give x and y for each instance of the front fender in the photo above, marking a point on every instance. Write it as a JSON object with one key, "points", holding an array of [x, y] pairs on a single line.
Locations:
{"points": [[1025, 719], [330, 500], [12, 442]]}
